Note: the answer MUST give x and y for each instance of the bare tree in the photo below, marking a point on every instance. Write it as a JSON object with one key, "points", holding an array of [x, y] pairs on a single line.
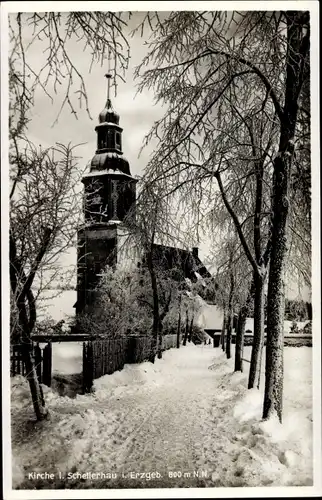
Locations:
{"points": [[44, 214], [43, 195], [202, 60], [234, 157], [123, 305], [233, 279], [226, 282], [151, 223], [100, 34], [244, 307]]}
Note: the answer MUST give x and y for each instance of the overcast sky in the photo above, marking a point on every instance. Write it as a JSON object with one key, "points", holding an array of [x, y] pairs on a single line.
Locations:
{"points": [[137, 114]]}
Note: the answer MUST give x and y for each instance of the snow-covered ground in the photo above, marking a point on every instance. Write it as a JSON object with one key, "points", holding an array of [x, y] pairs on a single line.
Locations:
{"points": [[187, 414]]}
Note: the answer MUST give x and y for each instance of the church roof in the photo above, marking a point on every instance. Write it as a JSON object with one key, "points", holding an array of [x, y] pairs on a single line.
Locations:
{"points": [[108, 115], [110, 160], [109, 154], [167, 257], [110, 172]]}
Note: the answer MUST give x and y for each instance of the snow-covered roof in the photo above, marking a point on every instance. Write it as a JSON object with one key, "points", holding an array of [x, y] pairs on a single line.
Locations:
{"points": [[287, 326], [210, 316], [113, 155], [200, 278], [96, 173], [108, 123], [189, 282], [115, 221]]}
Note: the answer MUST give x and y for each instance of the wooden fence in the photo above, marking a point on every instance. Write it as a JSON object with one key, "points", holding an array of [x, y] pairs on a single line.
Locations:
{"points": [[105, 356], [43, 362], [101, 356], [17, 366], [138, 349]]}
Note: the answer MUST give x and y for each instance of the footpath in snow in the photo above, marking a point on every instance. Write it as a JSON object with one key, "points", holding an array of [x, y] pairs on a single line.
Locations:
{"points": [[188, 419]]}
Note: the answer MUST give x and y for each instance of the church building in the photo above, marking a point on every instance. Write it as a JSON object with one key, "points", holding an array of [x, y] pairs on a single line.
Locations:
{"points": [[109, 204], [109, 194]]}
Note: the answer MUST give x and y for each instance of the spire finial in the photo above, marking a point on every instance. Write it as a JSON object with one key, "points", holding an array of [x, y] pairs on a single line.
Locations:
{"points": [[108, 75]]}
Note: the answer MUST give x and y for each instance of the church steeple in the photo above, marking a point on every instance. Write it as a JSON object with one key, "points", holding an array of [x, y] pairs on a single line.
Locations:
{"points": [[109, 154], [110, 190], [109, 207]]}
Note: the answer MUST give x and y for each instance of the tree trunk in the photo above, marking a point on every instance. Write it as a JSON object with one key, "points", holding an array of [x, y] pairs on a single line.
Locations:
{"points": [[156, 313], [154, 345], [34, 385], [258, 338], [223, 329], [240, 333], [190, 329], [273, 399], [185, 338], [230, 316], [160, 342], [179, 323], [26, 324], [187, 327], [229, 333], [298, 40], [179, 331]]}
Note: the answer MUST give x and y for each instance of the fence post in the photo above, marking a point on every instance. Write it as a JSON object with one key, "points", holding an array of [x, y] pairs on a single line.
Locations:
{"points": [[47, 364], [84, 367], [88, 366], [38, 362], [131, 349], [91, 366]]}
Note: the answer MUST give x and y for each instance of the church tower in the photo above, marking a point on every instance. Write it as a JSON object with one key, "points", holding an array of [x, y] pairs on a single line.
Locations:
{"points": [[109, 203]]}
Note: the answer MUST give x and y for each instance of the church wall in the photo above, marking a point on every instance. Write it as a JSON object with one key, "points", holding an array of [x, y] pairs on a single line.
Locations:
{"points": [[96, 249], [128, 251]]}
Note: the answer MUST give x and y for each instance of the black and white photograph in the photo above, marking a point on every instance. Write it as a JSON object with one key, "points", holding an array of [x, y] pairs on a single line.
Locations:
{"points": [[160, 179]]}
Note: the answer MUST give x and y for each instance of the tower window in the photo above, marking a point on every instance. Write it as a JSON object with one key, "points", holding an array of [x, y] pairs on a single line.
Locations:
{"points": [[110, 138], [117, 140], [101, 141]]}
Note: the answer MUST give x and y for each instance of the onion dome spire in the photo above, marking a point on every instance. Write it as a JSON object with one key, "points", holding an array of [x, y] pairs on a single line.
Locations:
{"points": [[108, 115], [109, 154]]}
